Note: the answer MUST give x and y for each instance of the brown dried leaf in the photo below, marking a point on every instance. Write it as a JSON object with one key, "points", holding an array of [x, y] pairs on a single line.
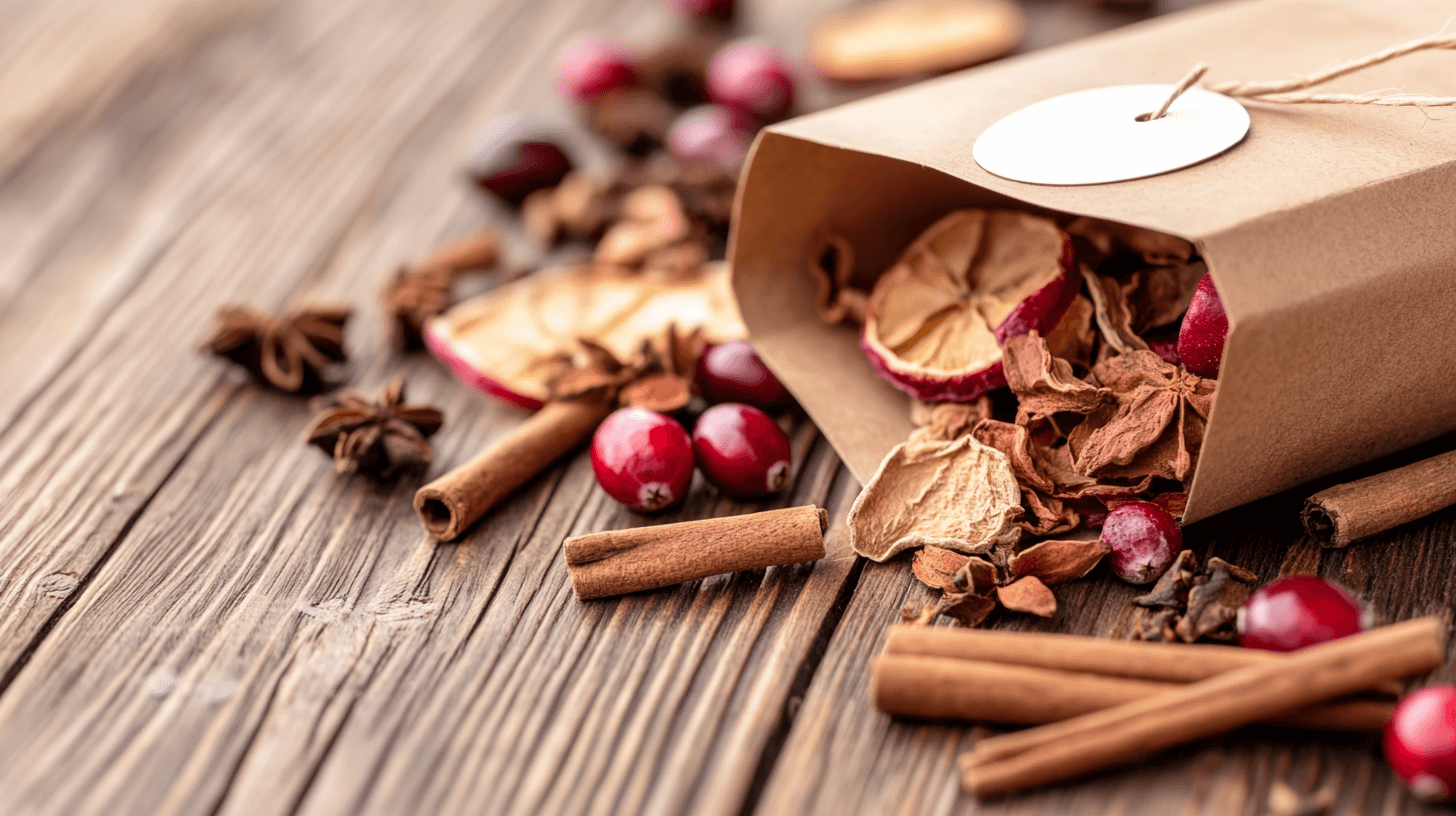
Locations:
{"points": [[966, 608], [1155, 428], [1114, 315], [1075, 335], [1059, 560], [1028, 594], [1044, 385], [935, 566], [960, 495]]}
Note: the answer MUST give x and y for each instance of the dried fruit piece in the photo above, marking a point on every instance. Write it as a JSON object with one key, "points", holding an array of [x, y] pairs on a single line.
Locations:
{"points": [[1058, 561], [936, 320], [1045, 385], [1205, 329], [945, 421], [936, 566], [960, 495], [511, 340], [900, 38], [1154, 429]]}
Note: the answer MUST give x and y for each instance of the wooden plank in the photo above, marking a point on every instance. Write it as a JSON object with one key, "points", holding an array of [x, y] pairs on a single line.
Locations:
{"points": [[842, 756]]}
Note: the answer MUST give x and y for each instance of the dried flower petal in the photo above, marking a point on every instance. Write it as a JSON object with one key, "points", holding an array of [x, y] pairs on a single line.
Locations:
{"points": [[935, 566], [1058, 561], [1155, 428], [1044, 385], [961, 495], [1028, 594], [945, 421]]}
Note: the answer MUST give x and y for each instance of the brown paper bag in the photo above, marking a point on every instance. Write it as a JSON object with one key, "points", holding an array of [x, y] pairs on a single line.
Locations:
{"points": [[1330, 232]]}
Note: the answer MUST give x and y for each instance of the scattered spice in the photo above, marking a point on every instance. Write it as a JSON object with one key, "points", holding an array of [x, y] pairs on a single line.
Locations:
{"points": [[290, 352], [1189, 604], [973, 585], [412, 297], [376, 438]]}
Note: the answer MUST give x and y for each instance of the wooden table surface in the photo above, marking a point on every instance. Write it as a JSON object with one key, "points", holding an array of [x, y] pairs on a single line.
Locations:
{"points": [[198, 617]]}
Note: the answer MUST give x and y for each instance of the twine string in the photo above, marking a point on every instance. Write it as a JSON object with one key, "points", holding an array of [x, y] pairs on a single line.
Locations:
{"points": [[1291, 91]]}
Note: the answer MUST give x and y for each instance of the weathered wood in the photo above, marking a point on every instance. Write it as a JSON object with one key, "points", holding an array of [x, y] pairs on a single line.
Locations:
{"points": [[197, 616]]}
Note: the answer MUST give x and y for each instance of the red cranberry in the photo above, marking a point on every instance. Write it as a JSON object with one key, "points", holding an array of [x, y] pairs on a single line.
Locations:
{"points": [[593, 66], [1420, 742], [741, 450], [721, 10], [1143, 539], [751, 76], [514, 171], [1296, 612], [733, 372], [1205, 327], [711, 133], [642, 459]]}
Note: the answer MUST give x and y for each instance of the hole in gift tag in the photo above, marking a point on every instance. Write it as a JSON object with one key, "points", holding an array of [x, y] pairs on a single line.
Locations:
{"points": [[1111, 134]]}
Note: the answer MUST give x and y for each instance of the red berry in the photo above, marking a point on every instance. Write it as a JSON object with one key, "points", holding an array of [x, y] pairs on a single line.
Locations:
{"points": [[733, 372], [1296, 612], [706, 9], [514, 171], [741, 450], [593, 66], [1143, 539], [1420, 742], [642, 459], [711, 133], [751, 76], [1205, 327]]}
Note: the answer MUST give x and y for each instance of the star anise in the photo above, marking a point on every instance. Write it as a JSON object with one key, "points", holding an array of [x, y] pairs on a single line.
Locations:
{"points": [[375, 438], [658, 377], [412, 297], [289, 352]]}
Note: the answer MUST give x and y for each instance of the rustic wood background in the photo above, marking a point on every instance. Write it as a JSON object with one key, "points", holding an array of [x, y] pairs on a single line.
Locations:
{"points": [[198, 617]]}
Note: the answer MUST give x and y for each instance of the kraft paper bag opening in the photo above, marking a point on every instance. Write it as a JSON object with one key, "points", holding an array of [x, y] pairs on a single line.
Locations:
{"points": [[1330, 231]]}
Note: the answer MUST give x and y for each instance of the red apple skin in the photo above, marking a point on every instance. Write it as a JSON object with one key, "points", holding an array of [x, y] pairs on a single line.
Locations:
{"points": [[1205, 328], [1420, 742]]}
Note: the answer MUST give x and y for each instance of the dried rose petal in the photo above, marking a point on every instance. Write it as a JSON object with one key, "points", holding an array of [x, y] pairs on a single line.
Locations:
{"points": [[509, 341], [938, 317], [960, 495], [1028, 594], [1058, 561]]}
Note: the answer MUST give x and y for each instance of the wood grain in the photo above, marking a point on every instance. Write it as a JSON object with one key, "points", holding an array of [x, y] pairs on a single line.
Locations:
{"points": [[198, 617]]}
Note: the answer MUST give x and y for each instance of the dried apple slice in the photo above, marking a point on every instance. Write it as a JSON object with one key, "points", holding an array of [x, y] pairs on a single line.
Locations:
{"points": [[936, 320], [505, 341]]}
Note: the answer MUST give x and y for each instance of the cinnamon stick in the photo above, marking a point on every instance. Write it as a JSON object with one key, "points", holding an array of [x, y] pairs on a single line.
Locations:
{"points": [[1349, 512], [1169, 662], [946, 688], [478, 250], [617, 562], [456, 500], [1081, 745]]}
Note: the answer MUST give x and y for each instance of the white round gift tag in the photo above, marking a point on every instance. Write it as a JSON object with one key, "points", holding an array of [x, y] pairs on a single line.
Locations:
{"points": [[1096, 136]]}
